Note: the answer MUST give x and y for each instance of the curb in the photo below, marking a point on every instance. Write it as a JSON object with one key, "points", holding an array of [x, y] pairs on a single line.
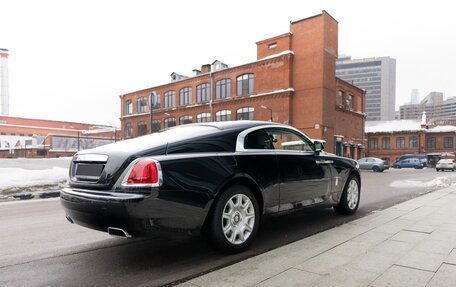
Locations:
{"points": [[35, 195]]}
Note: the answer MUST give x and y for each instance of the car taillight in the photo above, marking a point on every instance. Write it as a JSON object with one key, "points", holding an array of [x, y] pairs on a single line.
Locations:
{"points": [[146, 172]]}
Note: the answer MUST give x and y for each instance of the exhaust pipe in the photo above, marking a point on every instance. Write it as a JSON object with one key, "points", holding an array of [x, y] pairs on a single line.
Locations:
{"points": [[118, 232]]}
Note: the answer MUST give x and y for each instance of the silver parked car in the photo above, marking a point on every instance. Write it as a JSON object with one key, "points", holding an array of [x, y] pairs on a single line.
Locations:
{"points": [[444, 164], [373, 163]]}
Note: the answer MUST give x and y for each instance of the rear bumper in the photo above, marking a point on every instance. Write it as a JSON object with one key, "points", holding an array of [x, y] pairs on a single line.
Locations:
{"points": [[137, 214]]}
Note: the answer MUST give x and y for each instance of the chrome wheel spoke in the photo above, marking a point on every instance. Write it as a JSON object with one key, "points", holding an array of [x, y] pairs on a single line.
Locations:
{"points": [[352, 194], [238, 219]]}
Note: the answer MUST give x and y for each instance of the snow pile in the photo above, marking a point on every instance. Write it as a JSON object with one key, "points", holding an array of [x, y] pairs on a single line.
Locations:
{"points": [[392, 126], [440, 182], [11, 178]]}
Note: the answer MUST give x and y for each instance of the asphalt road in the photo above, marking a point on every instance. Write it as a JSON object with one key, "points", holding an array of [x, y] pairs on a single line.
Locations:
{"points": [[38, 247]]}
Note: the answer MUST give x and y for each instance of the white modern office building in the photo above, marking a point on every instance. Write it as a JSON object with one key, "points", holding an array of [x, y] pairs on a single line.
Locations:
{"points": [[434, 105], [377, 76], [4, 93]]}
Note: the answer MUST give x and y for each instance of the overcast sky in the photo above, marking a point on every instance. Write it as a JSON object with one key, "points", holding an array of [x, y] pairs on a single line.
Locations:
{"points": [[70, 60]]}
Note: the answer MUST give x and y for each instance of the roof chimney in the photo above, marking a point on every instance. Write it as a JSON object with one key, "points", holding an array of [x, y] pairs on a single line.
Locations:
{"points": [[423, 121], [196, 72], [206, 68], [4, 93]]}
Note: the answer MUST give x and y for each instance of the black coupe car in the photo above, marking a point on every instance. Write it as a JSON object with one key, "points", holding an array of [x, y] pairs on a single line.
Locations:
{"points": [[217, 178]]}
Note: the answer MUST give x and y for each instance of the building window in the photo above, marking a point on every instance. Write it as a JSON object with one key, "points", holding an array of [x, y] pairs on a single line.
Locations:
{"points": [[155, 101], [128, 131], [413, 141], [203, 93], [128, 107], [170, 99], [3, 133], [13, 134], [386, 143], [224, 115], [142, 128], [350, 102], [223, 89], [430, 143], [272, 46], [400, 143], [373, 143], [245, 84], [170, 122], [185, 96], [141, 105], [203, 117], [448, 142], [245, 113], [341, 97], [155, 125], [185, 120]]}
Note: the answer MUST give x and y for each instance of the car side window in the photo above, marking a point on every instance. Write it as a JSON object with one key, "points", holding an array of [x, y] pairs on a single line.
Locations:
{"points": [[285, 139], [258, 139]]}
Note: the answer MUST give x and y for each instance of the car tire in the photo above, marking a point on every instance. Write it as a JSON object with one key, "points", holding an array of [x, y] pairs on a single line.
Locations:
{"points": [[235, 220], [349, 201], [375, 169]]}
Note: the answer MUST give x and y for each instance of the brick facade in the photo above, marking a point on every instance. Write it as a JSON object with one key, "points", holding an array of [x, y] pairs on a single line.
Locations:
{"points": [[25, 137], [293, 82], [434, 141]]}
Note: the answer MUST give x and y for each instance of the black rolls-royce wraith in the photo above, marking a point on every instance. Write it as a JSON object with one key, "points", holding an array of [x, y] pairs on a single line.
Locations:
{"points": [[220, 178]]}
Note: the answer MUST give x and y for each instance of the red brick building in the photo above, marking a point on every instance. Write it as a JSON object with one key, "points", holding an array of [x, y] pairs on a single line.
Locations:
{"points": [[389, 140], [24, 137], [292, 81]]}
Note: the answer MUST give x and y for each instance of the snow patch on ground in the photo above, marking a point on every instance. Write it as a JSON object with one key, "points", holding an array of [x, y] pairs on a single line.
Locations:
{"points": [[12, 178], [441, 181]]}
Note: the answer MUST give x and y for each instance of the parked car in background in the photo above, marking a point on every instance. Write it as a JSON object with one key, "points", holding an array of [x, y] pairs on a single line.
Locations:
{"points": [[420, 156], [409, 163], [372, 163], [445, 164], [219, 179]]}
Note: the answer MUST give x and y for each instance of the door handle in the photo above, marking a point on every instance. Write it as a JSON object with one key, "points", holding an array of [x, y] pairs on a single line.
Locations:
{"points": [[324, 161]]}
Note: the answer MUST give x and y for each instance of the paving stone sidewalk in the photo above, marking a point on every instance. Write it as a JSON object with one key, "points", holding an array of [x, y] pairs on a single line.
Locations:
{"points": [[409, 244]]}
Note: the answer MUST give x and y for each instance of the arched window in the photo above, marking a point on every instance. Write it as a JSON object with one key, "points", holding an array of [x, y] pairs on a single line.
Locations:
{"points": [[203, 93], [245, 84], [155, 100], [128, 107], [155, 126], [185, 120], [170, 122], [141, 105], [185, 96], [142, 128], [224, 115], [245, 113], [223, 89], [128, 131], [170, 99], [203, 117]]}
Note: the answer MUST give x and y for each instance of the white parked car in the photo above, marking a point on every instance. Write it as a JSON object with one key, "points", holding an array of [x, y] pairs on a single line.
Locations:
{"points": [[444, 164]]}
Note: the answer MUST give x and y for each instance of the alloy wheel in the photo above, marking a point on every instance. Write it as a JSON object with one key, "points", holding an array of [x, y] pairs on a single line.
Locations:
{"points": [[352, 194], [238, 219]]}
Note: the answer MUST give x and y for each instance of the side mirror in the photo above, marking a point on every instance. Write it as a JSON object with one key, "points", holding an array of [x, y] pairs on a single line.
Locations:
{"points": [[318, 146]]}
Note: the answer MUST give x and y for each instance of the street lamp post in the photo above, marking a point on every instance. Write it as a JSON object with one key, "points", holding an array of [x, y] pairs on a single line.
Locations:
{"points": [[152, 101], [270, 111]]}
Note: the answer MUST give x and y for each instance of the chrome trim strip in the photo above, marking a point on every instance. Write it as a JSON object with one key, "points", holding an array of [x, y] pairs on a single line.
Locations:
{"points": [[241, 137], [109, 196], [91, 158], [127, 175]]}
